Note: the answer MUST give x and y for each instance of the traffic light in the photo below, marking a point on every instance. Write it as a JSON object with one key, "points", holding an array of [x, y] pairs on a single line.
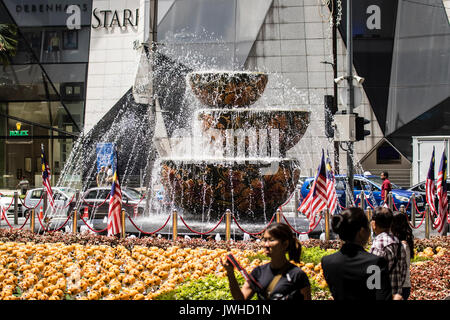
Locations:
{"points": [[360, 133], [330, 110]]}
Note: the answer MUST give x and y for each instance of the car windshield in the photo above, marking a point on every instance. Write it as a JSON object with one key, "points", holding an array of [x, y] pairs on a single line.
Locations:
{"points": [[68, 191], [378, 181], [133, 194]]}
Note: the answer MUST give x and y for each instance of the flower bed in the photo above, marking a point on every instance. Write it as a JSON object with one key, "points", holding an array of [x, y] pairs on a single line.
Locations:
{"points": [[85, 266]]}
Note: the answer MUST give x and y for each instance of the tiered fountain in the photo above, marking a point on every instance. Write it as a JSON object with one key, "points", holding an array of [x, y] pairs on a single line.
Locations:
{"points": [[239, 162]]}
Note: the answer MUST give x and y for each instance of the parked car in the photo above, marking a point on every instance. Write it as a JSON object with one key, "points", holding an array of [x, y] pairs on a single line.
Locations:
{"points": [[62, 197], [372, 190], [8, 202], [420, 189], [95, 199]]}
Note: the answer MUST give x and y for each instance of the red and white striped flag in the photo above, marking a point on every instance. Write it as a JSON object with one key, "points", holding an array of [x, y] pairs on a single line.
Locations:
{"points": [[331, 188], [316, 200], [46, 177], [430, 187], [115, 208], [442, 193]]}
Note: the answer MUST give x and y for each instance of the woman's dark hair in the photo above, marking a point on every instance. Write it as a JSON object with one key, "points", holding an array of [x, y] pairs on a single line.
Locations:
{"points": [[382, 217], [283, 232], [401, 229], [349, 222]]}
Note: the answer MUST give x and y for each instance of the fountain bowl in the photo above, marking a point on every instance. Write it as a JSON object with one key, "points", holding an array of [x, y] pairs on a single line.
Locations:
{"points": [[227, 88], [251, 189], [291, 124]]}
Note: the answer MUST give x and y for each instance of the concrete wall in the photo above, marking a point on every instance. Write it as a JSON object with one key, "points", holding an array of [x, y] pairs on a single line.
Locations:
{"points": [[293, 41], [112, 59]]}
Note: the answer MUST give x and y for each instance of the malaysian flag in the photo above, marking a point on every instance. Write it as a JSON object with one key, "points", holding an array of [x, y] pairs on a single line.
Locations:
{"points": [[316, 200], [115, 208], [46, 177], [430, 187], [331, 188], [442, 192]]}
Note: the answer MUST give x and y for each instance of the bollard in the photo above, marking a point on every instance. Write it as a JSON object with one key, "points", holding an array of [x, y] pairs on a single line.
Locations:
{"points": [[390, 201], [32, 221], [122, 217], [278, 215], [413, 209], [228, 225], [296, 203], [174, 224], [427, 221], [327, 224], [44, 199], [362, 198], [369, 217], [75, 222], [16, 207]]}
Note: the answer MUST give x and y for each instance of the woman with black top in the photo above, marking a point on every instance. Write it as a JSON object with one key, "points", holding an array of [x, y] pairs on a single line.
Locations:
{"points": [[279, 278], [352, 273]]}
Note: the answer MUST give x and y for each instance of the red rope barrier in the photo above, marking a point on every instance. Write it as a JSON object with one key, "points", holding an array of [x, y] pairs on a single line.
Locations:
{"points": [[368, 202], [12, 199], [96, 206], [202, 233], [254, 233], [423, 218], [64, 207], [298, 232], [40, 222], [10, 226], [286, 202], [417, 209], [142, 231], [134, 205], [60, 227], [40, 199], [98, 231]]}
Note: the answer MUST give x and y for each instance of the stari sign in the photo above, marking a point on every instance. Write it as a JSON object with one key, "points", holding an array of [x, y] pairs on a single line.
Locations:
{"points": [[18, 132], [111, 18]]}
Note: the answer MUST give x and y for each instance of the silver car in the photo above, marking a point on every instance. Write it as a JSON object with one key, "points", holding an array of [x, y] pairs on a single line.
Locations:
{"points": [[63, 198], [96, 200]]}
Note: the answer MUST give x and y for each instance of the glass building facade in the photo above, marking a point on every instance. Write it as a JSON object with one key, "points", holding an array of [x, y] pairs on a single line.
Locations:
{"points": [[43, 89]]}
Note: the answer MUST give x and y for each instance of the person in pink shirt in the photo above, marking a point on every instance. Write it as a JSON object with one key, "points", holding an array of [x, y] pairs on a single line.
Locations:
{"points": [[386, 187]]}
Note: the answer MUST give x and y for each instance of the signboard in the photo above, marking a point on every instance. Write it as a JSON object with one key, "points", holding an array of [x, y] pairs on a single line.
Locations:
{"points": [[38, 13], [18, 131], [106, 154]]}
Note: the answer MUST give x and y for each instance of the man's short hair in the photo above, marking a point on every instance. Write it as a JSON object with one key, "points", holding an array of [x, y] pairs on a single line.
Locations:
{"points": [[383, 217], [386, 174]]}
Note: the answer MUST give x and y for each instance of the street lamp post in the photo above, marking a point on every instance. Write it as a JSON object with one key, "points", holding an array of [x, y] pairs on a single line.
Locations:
{"points": [[350, 96]]}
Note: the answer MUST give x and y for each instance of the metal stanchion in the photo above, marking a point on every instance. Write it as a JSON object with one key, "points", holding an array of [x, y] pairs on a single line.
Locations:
{"points": [[363, 198], [174, 224], [413, 209], [16, 207], [296, 203], [75, 221], [427, 221], [369, 217], [122, 217], [390, 201], [228, 225], [278, 215], [32, 221], [402, 209], [44, 199], [327, 224]]}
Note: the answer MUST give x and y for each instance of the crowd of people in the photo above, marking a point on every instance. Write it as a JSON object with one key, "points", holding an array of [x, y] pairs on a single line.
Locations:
{"points": [[352, 273]]}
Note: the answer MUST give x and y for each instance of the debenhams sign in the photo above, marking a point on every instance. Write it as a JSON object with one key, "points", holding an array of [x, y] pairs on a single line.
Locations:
{"points": [[72, 13]]}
